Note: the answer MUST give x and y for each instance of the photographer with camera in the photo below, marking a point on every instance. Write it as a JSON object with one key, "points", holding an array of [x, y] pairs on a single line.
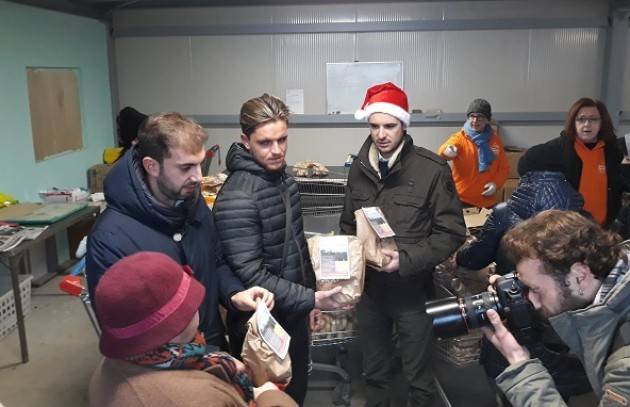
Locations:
{"points": [[575, 274]]}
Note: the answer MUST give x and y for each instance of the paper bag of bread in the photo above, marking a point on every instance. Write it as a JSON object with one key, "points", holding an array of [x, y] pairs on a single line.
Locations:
{"points": [[338, 262], [375, 234], [266, 348]]}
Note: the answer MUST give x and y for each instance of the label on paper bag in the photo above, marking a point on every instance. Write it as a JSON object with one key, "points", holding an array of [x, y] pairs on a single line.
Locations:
{"points": [[271, 332], [377, 221], [333, 258]]}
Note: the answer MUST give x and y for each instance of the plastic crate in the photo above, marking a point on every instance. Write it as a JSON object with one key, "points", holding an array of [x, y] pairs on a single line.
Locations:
{"points": [[8, 317]]}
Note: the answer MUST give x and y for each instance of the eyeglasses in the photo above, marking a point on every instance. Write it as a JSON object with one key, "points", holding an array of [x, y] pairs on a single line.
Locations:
{"points": [[583, 120]]}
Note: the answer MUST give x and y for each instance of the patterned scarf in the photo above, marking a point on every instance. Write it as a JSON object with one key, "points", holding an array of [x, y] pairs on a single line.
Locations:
{"points": [[194, 356], [486, 156]]}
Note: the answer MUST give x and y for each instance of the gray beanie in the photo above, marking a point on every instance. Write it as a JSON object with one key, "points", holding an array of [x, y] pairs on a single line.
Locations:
{"points": [[480, 106]]}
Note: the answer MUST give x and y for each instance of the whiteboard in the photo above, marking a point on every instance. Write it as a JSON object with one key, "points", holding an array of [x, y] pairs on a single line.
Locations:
{"points": [[346, 83]]}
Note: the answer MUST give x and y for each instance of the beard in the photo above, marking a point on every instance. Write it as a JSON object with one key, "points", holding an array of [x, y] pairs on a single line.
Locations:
{"points": [[568, 302], [173, 193]]}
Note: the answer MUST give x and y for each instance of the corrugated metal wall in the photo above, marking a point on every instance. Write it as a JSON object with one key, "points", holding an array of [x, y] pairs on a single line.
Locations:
{"points": [[521, 70]]}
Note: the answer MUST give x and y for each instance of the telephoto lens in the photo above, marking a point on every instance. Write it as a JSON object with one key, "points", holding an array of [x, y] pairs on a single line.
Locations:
{"points": [[456, 316]]}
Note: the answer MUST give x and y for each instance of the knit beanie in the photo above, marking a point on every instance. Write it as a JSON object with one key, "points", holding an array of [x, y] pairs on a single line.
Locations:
{"points": [[480, 106]]}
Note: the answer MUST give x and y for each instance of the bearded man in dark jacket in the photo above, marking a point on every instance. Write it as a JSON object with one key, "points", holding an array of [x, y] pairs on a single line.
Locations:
{"points": [[415, 190], [154, 204], [259, 219]]}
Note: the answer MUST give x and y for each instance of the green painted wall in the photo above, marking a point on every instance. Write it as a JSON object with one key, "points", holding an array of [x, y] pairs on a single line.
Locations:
{"points": [[32, 37]]}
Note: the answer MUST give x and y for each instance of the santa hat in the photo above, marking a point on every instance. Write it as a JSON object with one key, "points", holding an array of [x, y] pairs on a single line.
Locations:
{"points": [[385, 98]]}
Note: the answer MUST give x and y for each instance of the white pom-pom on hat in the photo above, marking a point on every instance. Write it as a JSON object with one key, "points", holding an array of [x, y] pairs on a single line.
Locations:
{"points": [[360, 114]]}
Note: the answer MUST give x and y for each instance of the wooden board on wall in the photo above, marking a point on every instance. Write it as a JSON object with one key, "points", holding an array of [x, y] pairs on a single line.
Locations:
{"points": [[53, 95]]}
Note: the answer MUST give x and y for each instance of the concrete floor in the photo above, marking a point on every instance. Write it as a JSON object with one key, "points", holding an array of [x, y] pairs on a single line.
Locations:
{"points": [[64, 350]]}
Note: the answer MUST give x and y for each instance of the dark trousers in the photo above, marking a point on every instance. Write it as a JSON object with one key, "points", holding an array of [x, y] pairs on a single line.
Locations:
{"points": [[299, 349], [377, 319]]}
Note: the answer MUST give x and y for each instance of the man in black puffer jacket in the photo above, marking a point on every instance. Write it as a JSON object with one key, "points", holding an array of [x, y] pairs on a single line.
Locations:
{"points": [[260, 224]]}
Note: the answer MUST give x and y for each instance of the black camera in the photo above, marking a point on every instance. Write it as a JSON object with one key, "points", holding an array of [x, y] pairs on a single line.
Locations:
{"points": [[456, 316]]}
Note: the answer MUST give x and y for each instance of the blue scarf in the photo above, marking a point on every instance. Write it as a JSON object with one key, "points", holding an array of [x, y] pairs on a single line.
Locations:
{"points": [[486, 156]]}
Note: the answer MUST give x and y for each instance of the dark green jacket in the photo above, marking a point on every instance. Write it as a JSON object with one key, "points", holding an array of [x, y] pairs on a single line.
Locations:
{"points": [[419, 201]]}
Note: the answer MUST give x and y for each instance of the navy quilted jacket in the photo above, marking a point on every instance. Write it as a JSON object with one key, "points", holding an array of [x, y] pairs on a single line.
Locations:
{"points": [[132, 222], [536, 192]]}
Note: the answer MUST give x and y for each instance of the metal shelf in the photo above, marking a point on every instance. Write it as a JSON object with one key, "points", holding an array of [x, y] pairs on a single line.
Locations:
{"points": [[417, 119]]}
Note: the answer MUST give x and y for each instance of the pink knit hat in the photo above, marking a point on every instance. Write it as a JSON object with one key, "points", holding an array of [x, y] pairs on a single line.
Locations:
{"points": [[385, 98], [143, 301]]}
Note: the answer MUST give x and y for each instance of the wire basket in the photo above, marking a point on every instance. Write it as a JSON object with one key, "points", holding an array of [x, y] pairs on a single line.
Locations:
{"points": [[461, 351], [321, 196], [336, 327]]}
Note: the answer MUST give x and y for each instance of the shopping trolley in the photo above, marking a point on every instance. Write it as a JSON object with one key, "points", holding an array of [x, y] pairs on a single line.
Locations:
{"points": [[322, 202], [335, 329], [75, 284]]}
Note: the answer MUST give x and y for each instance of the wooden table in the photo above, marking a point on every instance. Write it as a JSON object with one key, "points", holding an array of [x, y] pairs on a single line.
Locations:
{"points": [[18, 260]]}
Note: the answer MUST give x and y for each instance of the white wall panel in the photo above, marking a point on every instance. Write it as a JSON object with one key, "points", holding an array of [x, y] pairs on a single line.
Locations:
{"points": [[227, 70], [422, 54], [154, 73], [300, 63], [487, 64], [525, 9], [516, 70], [565, 64], [333, 13], [192, 16], [370, 12]]}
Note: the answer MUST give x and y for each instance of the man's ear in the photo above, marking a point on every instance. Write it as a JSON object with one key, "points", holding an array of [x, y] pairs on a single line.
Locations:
{"points": [[245, 141], [580, 273], [151, 166]]}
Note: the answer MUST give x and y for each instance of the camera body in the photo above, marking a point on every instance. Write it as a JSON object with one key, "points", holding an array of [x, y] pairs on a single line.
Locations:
{"points": [[456, 316]]}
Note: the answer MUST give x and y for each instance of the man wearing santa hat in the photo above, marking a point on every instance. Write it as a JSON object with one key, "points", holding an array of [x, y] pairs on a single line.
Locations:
{"points": [[415, 191]]}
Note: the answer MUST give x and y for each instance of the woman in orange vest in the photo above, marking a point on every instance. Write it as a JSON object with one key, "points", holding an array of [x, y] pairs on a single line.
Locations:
{"points": [[589, 156]]}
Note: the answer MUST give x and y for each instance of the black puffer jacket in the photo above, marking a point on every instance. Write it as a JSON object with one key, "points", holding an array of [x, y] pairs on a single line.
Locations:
{"points": [[537, 191], [250, 213]]}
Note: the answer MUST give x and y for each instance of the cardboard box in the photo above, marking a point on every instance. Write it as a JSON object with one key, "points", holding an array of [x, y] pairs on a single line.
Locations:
{"points": [[96, 176], [475, 217], [513, 155]]}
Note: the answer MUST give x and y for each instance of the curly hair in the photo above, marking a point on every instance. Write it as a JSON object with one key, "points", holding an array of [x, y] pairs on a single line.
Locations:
{"points": [[560, 239], [606, 130], [262, 110]]}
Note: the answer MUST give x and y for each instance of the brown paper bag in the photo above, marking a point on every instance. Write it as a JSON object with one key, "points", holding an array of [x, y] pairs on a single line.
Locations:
{"points": [[354, 263], [372, 244], [261, 360]]}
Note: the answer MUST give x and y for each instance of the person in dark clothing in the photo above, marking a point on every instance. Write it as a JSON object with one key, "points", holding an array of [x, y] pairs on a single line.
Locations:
{"points": [[154, 204], [129, 121], [537, 191], [259, 219], [415, 191], [590, 158]]}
